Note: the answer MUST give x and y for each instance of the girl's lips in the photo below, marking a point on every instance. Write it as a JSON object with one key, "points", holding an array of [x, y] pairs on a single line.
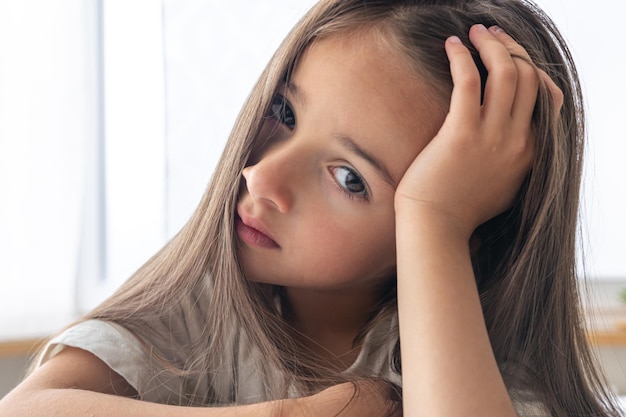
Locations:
{"points": [[248, 232]]}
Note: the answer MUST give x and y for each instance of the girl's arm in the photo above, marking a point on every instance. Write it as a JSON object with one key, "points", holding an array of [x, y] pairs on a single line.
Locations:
{"points": [[77, 383], [470, 172]]}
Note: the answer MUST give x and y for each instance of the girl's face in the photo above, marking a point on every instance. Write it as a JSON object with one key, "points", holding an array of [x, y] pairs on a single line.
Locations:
{"points": [[317, 206]]}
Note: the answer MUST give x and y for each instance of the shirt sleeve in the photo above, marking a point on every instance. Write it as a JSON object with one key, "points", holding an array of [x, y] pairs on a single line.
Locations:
{"points": [[125, 354]]}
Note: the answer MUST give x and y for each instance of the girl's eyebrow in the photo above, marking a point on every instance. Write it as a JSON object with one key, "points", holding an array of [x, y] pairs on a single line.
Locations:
{"points": [[348, 143], [296, 92]]}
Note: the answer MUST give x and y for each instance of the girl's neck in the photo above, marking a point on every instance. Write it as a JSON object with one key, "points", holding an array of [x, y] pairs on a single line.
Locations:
{"points": [[329, 321]]}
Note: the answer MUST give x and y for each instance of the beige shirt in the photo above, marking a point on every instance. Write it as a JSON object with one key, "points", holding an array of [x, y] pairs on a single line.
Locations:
{"points": [[123, 352]]}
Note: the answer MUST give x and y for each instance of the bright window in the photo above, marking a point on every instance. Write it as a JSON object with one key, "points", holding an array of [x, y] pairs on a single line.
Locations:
{"points": [[47, 124]]}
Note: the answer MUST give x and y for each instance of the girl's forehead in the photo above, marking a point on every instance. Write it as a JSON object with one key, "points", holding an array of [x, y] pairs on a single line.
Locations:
{"points": [[377, 51], [356, 87], [361, 41], [355, 52], [365, 60]]}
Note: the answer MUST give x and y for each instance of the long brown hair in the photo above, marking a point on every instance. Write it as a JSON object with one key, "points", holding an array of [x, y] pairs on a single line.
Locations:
{"points": [[525, 264]]}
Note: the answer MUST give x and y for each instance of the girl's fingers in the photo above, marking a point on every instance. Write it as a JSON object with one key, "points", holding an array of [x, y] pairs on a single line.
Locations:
{"points": [[555, 91], [512, 84], [527, 85], [530, 78], [465, 100], [501, 87]]}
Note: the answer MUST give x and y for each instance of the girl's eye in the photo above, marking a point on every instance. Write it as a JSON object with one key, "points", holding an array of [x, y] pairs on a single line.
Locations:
{"points": [[350, 182], [281, 110]]}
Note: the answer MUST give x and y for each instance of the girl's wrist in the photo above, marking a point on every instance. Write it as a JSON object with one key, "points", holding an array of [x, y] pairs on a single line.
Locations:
{"points": [[414, 216]]}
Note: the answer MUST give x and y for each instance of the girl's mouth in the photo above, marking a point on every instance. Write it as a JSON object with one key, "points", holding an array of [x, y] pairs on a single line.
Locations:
{"points": [[252, 236]]}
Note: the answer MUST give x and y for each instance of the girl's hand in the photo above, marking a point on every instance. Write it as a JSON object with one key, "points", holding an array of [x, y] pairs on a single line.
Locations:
{"points": [[473, 168]]}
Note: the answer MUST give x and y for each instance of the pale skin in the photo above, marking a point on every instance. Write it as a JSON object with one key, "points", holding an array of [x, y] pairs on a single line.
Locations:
{"points": [[447, 350]]}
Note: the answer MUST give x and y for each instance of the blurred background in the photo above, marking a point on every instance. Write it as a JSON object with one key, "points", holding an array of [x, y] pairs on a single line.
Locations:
{"points": [[113, 114]]}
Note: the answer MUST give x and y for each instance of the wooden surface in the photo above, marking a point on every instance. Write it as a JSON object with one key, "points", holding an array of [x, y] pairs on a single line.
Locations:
{"points": [[23, 347], [608, 338]]}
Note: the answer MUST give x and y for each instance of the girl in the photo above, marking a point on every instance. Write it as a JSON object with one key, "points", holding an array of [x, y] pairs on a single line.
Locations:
{"points": [[396, 207]]}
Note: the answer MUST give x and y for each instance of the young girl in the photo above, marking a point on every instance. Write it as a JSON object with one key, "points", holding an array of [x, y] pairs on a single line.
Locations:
{"points": [[391, 227]]}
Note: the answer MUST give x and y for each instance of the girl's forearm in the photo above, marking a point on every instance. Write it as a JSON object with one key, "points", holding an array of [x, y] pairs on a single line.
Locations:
{"points": [[362, 399], [80, 403], [77, 383], [448, 367]]}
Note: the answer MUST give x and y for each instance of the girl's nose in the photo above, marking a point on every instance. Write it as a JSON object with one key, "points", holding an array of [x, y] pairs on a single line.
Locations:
{"points": [[270, 182]]}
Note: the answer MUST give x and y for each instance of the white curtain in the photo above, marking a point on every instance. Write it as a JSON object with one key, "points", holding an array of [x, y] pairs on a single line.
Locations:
{"points": [[45, 128]]}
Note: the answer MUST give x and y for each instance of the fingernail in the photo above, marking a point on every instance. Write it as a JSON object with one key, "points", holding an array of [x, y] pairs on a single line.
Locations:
{"points": [[454, 39], [481, 26], [496, 28]]}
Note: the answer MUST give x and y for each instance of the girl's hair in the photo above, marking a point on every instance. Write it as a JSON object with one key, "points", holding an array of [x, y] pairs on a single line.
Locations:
{"points": [[525, 263]]}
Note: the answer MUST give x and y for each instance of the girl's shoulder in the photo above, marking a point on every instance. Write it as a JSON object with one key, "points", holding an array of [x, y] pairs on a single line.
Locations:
{"points": [[125, 353], [154, 353]]}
